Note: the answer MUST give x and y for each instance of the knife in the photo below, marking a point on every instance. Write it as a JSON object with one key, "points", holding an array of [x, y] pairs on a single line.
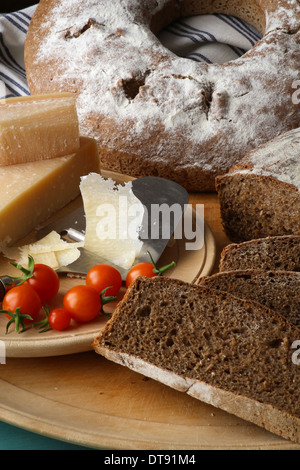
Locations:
{"points": [[154, 193]]}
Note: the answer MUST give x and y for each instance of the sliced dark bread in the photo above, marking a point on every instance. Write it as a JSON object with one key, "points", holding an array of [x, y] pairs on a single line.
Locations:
{"points": [[232, 353], [279, 252], [260, 196], [277, 290]]}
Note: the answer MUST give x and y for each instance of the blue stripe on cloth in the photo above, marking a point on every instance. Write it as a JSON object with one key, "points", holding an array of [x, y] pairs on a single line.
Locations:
{"points": [[175, 29], [12, 21], [7, 95], [16, 84], [200, 56], [229, 37], [8, 59], [192, 28], [13, 71], [255, 35], [13, 30], [22, 20], [12, 92], [237, 50], [21, 12], [235, 26]]}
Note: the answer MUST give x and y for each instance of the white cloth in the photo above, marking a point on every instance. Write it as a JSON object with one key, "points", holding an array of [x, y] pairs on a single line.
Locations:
{"points": [[13, 29], [210, 38]]}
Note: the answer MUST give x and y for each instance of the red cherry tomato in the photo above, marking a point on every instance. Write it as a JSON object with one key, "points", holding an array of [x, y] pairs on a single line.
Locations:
{"points": [[59, 319], [25, 298], [44, 281], [140, 269], [83, 303], [102, 276]]}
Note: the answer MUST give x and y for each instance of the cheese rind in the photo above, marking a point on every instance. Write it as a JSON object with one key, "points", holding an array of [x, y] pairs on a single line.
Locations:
{"points": [[32, 192], [38, 127]]}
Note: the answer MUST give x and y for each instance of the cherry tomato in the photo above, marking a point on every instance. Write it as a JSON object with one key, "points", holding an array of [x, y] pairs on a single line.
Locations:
{"points": [[140, 269], [102, 276], [25, 298], [83, 303], [44, 281], [59, 319], [9, 286]]}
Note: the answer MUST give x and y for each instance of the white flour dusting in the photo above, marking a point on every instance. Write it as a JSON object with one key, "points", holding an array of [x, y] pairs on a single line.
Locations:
{"points": [[107, 46]]}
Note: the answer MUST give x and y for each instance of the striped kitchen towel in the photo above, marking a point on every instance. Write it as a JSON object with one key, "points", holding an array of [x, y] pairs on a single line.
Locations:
{"points": [[13, 29], [209, 38], [205, 38]]}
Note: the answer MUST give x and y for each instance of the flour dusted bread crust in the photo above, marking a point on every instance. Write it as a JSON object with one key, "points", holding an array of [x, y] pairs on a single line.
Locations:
{"points": [[270, 253], [154, 113], [260, 196], [232, 353]]}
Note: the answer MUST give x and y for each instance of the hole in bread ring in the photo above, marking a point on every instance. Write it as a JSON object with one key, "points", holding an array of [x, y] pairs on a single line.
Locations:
{"points": [[211, 39], [242, 15], [260, 16]]}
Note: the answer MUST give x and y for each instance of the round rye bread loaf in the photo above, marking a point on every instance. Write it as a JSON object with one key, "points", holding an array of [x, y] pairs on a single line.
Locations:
{"points": [[154, 113]]}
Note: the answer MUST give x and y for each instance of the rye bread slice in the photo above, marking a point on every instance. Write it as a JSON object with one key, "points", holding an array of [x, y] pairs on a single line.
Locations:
{"points": [[277, 290], [260, 195], [231, 353], [270, 253]]}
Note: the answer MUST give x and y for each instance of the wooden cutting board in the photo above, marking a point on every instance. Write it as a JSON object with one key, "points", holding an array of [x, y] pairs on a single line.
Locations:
{"points": [[190, 265], [84, 399]]}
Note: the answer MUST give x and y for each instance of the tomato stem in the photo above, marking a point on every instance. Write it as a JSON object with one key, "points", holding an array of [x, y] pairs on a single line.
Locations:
{"points": [[27, 273], [18, 318], [106, 300], [160, 271], [43, 324]]}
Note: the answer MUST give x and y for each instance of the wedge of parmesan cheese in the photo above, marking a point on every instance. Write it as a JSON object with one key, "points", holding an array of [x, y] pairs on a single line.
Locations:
{"points": [[113, 219], [38, 127], [51, 250], [30, 193]]}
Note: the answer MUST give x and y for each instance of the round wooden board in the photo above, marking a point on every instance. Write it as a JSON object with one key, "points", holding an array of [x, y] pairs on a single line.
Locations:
{"points": [[90, 401], [190, 265], [87, 400]]}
